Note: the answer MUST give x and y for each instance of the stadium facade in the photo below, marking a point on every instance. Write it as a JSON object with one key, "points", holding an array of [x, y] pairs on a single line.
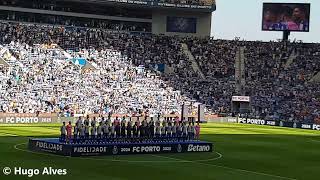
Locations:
{"points": [[168, 17]]}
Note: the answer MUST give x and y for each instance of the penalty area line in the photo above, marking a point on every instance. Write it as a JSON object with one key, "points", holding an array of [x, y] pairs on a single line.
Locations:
{"points": [[230, 168]]}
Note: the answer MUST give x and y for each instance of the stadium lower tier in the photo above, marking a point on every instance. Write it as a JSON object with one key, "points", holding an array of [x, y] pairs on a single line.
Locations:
{"points": [[55, 146]]}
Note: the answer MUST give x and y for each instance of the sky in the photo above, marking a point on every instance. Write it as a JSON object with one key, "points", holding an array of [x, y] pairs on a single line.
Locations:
{"points": [[243, 18]]}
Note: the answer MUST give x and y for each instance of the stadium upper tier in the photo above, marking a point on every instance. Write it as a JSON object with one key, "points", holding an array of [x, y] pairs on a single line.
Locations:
{"points": [[93, 5], [183, 18], [281, 78]]}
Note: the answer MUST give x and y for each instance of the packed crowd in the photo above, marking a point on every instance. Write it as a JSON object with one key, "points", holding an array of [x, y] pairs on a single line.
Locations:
{"points": [[278, 89], [75, 21], [216, 59], [282, 90], [46, 81]]}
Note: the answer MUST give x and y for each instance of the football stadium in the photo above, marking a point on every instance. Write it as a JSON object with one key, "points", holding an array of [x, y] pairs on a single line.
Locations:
{"points": [[141, 89]]}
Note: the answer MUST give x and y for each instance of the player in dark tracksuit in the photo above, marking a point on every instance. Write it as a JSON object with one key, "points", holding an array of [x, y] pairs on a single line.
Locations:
{"points": [[129, 130], [117, 129], [135, 130], [75, 131], [151, 129], [142, 130], [123, 129]]}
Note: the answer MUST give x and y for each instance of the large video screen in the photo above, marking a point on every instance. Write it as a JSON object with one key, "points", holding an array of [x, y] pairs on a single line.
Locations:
{"points": [[181, 24], [286, 17]]}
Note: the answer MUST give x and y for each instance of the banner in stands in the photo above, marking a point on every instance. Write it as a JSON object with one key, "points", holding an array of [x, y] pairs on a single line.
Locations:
{"points": [[241, 98], [117, 149], [279, 123]]}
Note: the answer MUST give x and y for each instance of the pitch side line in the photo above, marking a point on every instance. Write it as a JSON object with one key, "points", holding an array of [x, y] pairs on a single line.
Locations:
{"points": [[235, 169], [8, 134], [313, 140], [112, 160], [201, 160]]}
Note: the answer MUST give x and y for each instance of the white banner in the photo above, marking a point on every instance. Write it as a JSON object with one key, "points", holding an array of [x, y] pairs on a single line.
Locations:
{"points": [[241, 98]]}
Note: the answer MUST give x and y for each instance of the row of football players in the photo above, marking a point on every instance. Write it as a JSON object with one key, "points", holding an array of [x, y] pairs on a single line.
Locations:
{"points": [[130, 129]]}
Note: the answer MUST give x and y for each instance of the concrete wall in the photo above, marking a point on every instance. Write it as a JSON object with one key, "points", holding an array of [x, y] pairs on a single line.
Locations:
{"points": [[3, 63], [159, 22]]}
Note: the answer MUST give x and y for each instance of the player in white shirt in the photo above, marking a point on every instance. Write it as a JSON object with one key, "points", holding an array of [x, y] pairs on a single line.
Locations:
{"points": [[112, 130], [86, 130], [82, 131], [163, 131], [79, 126], [169, 130], [158, 130], [104, 131], [108, 130], [184, 130], [79, 122], [93, 132], [158, 122], [174, 130], [179, 130]]}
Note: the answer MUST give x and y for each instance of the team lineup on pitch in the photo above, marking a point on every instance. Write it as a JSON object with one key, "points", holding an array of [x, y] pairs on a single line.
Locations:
{"points": [[240, 153]]}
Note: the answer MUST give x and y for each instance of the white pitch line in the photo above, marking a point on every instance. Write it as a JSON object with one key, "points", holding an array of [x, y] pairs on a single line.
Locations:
{"points": [[175, 160], [166, 157], [212, 159], [8, 134], [201, 160], [235, 169], [315, 140], [247, 171]]}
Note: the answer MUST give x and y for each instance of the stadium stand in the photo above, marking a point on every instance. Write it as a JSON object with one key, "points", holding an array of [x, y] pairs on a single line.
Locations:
{"points": [[277, 73]]}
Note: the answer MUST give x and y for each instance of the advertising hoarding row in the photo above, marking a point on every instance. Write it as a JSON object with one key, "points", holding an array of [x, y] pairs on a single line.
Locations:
{"points": [[48, 146]]}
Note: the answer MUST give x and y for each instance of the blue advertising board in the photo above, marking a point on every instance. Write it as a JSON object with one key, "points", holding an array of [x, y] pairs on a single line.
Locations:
{"points": [[53, 146]]}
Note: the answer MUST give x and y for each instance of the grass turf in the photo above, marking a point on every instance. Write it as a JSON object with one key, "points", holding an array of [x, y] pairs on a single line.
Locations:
{"points": [[248, 152]]}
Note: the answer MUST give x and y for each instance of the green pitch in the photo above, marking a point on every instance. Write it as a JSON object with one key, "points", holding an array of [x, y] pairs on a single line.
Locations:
{"points": [[242, 152]]}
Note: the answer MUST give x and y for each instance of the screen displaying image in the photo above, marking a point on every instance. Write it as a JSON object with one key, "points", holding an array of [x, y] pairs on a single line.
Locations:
{"points": [[181, 24], [286, 16]]}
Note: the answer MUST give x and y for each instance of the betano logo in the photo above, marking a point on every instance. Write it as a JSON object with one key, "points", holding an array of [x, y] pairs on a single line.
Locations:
{"points": [[198, 148]]}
